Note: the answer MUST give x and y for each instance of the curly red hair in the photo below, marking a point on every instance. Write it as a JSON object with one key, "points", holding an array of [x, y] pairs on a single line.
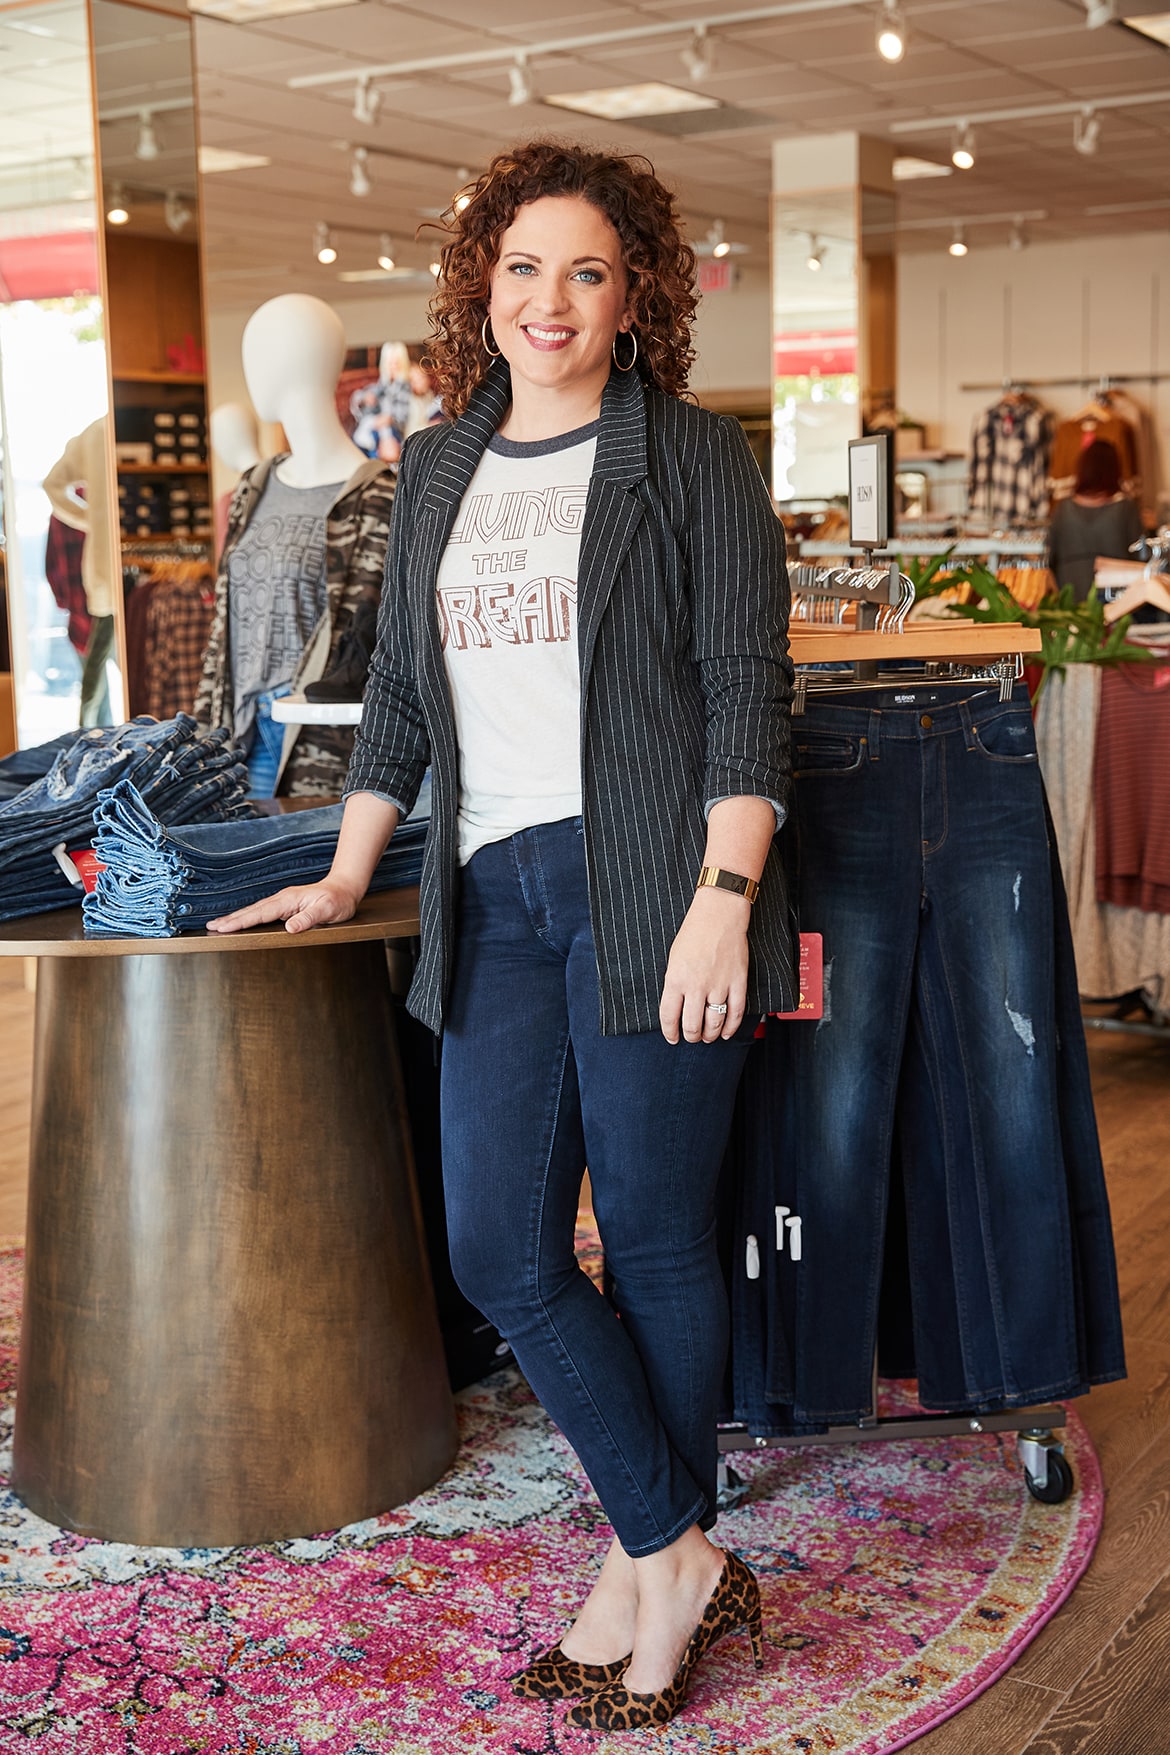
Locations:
{"points": [[659, 262]]}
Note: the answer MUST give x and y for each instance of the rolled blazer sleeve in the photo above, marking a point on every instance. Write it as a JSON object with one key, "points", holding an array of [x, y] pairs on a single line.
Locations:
{"points": [[392, 746], [740, 603]]}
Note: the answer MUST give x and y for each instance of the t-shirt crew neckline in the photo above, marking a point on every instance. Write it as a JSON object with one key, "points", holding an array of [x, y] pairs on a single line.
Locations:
{"points": [[543, 447]]}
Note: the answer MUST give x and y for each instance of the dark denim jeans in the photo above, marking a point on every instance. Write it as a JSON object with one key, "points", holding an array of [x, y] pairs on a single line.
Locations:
{"points": [[951, 1039], [531, 1092]]}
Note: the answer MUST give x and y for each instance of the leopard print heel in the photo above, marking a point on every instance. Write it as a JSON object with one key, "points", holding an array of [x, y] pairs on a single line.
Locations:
{"points": [[734, 1603], [557, 1677]]}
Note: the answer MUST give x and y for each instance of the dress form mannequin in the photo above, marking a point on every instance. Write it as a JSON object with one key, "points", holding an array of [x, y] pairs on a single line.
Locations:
{"points": [[293, 350], [235, 435]]}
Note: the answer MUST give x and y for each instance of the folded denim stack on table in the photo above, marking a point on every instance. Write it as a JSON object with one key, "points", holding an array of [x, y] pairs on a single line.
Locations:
{"points": [[159, 882], [183, 778]]}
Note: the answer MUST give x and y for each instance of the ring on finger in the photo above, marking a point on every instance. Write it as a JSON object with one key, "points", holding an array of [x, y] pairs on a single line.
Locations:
{"points": [[719, 1006]]}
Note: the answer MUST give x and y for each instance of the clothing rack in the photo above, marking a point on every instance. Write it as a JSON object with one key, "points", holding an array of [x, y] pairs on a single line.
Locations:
{"points": [[882, 597], [1085, 381]]}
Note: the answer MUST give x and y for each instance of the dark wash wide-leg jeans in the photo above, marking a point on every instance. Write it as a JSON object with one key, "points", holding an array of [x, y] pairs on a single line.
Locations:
{"points": [[531, 1094]]}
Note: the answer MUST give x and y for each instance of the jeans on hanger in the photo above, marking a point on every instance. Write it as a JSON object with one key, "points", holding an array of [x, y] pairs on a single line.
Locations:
{"points": [[530, 1093], [950, 1036]]}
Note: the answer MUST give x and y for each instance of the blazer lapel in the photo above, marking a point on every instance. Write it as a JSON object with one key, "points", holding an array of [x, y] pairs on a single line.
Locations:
{"points": [[613, 509]]}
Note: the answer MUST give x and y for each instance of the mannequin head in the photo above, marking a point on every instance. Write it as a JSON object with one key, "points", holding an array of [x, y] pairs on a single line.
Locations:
{"points": [[235, 435], [292, 345]]}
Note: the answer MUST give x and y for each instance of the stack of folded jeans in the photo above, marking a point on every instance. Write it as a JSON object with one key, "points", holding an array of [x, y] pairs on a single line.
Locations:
{"points": [[182, 776], [159, 882]]}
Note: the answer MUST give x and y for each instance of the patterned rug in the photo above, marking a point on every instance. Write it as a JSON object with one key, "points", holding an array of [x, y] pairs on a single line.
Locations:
{"points": [[899, 1580]]}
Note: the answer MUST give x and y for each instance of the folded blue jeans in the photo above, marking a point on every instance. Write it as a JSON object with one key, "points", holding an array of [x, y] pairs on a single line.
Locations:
{"points": [[530, 1092]]}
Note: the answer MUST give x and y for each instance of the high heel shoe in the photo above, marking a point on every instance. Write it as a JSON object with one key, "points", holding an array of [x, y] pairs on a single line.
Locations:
{"points": [[734, 1603], [557, 1677]]}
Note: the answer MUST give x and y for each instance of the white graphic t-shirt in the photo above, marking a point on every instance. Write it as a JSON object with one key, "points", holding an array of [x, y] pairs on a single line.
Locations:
{"points": [[507, 608]]}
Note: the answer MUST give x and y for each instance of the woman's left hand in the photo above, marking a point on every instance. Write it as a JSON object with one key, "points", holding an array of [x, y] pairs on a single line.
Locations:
{"points": [[708, 964]]}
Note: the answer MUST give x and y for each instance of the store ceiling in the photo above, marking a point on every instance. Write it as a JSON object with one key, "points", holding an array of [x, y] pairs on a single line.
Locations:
{"points": [[813, 72]]}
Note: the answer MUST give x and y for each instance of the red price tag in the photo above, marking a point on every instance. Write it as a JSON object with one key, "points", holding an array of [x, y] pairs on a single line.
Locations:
{"points": [[88, 865], [811, 1003]]}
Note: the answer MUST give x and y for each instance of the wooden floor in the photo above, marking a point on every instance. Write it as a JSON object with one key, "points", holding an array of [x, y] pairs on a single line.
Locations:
{"points": [[1097, 1680]]}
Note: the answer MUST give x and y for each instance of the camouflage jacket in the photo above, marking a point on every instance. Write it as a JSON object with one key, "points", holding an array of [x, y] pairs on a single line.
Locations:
{"points": [[357, 526]]}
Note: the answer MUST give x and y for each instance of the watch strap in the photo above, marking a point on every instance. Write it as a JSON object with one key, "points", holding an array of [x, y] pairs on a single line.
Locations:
{"points": [[714, 877]]}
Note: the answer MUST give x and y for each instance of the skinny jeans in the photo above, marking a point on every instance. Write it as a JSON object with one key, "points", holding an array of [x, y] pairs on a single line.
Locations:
{"points": [[531, 1094]]}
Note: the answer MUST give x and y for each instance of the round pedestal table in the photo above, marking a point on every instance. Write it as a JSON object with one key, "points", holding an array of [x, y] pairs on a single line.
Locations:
{"points": [[229, 1333]]}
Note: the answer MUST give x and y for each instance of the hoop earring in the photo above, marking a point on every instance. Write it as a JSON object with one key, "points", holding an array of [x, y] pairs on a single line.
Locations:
{"points": [[633, 356], [492, 353]]}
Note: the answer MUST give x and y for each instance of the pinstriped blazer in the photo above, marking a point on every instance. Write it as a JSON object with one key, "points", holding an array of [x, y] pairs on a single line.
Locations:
{"points": [[682, 603]]}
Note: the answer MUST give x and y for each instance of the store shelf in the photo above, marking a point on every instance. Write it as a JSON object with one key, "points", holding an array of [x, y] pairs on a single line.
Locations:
{"points": [[962, 642], [969, 547], [163, 468], [193, 378], [157, 536]]}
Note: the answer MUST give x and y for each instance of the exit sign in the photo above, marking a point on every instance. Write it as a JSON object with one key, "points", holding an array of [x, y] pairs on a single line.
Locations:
{"points": [[716, 277]]}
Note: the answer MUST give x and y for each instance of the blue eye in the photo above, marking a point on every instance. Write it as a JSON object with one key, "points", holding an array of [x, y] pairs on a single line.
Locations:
{"points": [[524, 268], [590, 275]]}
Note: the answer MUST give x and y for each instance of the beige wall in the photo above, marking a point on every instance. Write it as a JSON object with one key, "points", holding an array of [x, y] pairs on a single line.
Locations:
{"points": [[1091, 308]]}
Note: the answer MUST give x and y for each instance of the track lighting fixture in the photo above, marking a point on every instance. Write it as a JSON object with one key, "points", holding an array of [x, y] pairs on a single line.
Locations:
{"points": [[816, 254], [323, 244], [367, 101], [891, 31], [176, 212], [117, 212], [1099, 12], [385, 253], [699, 55], [718, 242], [520, 81], [1019, 237], [958, 244], [147, 146], [359, 179], [1086, 131], [963, 147]]}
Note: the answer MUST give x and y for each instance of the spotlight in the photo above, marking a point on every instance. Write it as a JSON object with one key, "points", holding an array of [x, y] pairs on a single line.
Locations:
{"points": [[1086, 131], [520, 80], [176, 212], [891, 31], [147, 146], [699, 55], [963, 147], [385, 252], [436, 268], [323, 244], [816, 254], [1019, 237], [1099, 12], [359, 181], [958, 244], [367, 101], [117, 213], [462, 202]]}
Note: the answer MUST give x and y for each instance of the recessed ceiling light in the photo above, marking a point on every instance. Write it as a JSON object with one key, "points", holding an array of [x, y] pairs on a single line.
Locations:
{"points": [[1156, 25], [220, 158], [618, 103], [908, 170], [249, 11]]}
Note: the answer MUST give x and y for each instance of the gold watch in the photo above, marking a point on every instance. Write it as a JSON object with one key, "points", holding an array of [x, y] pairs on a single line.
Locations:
{"points": [[714, 877]]}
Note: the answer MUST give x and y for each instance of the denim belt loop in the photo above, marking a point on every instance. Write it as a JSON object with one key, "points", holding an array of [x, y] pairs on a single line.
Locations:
{"points": [[969, 737], [873, 734]]}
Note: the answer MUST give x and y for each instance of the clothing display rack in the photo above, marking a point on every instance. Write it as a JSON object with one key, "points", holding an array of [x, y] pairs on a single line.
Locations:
{"points": [[878, 598], [1085, 381]]}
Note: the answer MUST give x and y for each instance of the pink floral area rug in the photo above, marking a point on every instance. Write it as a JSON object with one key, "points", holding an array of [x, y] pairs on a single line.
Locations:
{"points": [[899, 1580]]}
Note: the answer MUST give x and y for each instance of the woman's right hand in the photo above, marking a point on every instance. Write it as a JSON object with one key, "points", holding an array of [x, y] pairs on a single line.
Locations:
{"points": [[301, 907]]}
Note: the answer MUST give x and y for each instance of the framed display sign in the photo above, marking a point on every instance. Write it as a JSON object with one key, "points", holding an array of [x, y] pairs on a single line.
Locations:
{"points": [[871, 491]]}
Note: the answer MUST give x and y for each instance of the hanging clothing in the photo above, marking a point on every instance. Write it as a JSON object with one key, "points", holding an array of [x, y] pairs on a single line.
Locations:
{"points": [[1131, 787], [950, 1046], [178, 623], [1078, 534], [1071, 438], [1008, 473], [64, 547], [357, 525]]}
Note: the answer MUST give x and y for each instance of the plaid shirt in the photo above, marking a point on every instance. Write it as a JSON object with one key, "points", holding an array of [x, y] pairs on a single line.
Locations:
{"points": [[1008, 478], [178, 622]]}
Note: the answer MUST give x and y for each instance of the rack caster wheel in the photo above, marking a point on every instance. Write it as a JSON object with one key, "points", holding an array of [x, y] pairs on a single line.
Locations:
{"points": [[1056, 1485]]}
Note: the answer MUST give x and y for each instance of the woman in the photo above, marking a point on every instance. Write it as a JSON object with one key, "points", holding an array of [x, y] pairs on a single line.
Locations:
{"points": [[583, 631], [1097, 520]]}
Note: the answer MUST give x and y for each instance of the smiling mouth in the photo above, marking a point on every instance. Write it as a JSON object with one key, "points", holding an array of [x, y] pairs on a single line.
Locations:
{"points": [[539, 332]]}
